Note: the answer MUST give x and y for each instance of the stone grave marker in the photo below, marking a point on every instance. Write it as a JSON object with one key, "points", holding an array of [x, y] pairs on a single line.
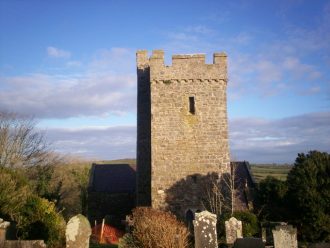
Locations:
{"points": [[3, 229], [234, 230], [285, 236], [78, 231], [205, 230], [249, 243], [264, 234]]}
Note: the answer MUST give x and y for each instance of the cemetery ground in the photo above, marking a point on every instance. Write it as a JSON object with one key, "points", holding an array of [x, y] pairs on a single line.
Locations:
{"points": [[65, 186]]}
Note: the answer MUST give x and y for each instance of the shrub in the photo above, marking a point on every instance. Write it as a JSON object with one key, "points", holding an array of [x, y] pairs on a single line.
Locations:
{"points": [[127, 241], [271, 200], [14, 191], [249, 222], [39, 220], [156, 229], [309, 195]]}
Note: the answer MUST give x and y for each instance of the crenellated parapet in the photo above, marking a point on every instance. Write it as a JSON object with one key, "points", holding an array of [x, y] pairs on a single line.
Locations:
{"points": [[184, 67]]}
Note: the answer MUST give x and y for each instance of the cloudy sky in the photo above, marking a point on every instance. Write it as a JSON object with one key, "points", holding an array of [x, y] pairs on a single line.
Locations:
{"points": [[71, 65]]}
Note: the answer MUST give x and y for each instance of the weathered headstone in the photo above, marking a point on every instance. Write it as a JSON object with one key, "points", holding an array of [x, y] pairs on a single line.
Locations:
{"points": [[249, 243], [234, 230], [78, 231], [3, 229], [205, 229], [264, 234], [285, 236]]}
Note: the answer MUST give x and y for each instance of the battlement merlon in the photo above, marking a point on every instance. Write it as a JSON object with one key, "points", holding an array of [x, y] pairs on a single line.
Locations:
{"points": [[142, 59]]}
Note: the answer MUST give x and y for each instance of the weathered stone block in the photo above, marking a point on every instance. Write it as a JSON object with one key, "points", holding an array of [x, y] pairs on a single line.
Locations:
{"points": [[205, 230], [3, 229], [285, 236], [78, 231], [234, 230]]}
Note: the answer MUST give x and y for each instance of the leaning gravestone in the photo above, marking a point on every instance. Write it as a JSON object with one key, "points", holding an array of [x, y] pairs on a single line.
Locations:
{"points": [[233, 230], [77, 232], [285, 237], [205, 230]]}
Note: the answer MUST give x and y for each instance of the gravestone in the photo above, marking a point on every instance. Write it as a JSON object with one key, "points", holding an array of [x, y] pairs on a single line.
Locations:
{"points": [[3, 229], [78, 231], [264, 234], [234, 230], [249, 243], [205, 230], [285, 236]]}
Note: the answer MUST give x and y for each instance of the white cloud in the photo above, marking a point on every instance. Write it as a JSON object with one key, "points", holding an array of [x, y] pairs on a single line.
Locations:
{"points": [[74, 63], [199, 29], [251, 139], [311, 91], [48, 96], [116, 60], [263, 62], [242, 38], [106, 86], [99, 143], [280, 140], [54, 52]]}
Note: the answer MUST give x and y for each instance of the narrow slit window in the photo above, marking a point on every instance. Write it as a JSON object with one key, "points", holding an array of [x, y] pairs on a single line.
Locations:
{"points": [[192, 105]]}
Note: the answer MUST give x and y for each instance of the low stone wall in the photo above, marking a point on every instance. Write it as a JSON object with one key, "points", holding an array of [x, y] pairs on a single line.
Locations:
{"points": [[23, 244]]}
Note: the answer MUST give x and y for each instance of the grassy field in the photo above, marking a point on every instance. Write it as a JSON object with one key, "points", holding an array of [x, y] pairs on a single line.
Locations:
{"points": [[118, 161], [261, 171]]}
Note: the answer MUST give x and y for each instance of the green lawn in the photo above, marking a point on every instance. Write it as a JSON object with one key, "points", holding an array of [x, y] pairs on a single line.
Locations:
{"points": [[261, 171]]}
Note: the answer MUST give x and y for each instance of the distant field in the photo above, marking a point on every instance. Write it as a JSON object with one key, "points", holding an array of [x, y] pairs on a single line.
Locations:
{"points": [[118, 161], [261, 171]]}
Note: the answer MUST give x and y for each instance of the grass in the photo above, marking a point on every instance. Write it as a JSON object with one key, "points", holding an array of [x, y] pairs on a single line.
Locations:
{"points": [[118, 161], [261, 171]]}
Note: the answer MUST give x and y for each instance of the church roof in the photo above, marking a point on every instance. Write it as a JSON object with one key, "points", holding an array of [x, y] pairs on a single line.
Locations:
{"points": [[112, 178]]}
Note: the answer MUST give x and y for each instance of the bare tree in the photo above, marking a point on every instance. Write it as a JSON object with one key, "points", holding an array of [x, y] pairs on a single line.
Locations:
{"points": [[214, 196], [20, 143], [229, 181], [220, 192]]}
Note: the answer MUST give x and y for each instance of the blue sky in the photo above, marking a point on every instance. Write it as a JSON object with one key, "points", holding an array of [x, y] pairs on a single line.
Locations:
{"points": [[71, 65]]}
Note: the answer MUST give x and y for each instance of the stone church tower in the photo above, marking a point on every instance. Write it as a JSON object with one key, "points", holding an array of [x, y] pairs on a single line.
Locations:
{"points": [[182, 130]]}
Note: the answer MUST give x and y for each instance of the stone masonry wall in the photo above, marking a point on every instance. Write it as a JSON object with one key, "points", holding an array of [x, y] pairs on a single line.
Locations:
{"points": [[184, 144], [143, 156]]}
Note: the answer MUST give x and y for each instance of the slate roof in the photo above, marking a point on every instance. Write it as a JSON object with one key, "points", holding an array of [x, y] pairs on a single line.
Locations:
{"points": [[112, 178], [243, 182]]}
